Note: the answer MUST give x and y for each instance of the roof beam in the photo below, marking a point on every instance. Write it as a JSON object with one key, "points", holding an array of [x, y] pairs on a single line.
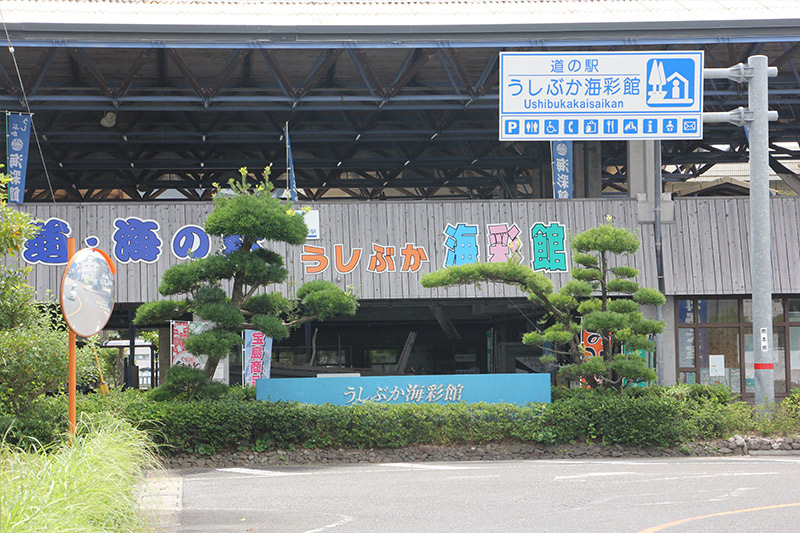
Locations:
{"points": [[39, 69], [227, 71], [180, 62], [82, 58], [789, 178], [283, 81], [136, 66], [367, 72], [325, 60], [418, 59]]}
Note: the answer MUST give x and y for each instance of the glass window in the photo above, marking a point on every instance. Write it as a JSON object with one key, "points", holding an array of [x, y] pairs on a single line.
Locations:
{"points": [[779, 348], [718, 311], [289, 355], [686, 347], [718, 354], [794, 353], [331, 357], [714, 342], [685, 311], [779, 372], [777, 310], [794, 309], [383, 356]]}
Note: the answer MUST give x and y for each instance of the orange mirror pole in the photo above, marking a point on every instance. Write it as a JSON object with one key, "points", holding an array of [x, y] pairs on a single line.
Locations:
{"points": [[72, 382]]}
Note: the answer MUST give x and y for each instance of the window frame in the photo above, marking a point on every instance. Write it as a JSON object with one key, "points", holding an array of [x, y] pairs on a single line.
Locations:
{"points": [[744, 327]]}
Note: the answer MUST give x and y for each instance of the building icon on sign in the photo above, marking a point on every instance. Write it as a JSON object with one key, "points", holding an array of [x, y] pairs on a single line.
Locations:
{"points": [[669, 82]]}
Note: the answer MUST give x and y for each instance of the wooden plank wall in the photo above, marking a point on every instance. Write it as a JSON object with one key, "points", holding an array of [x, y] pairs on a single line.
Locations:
{"points": [[707, 250], [353, 225]]}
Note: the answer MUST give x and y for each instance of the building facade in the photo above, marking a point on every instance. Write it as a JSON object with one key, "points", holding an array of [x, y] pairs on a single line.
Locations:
{"points": [[379, 250]]}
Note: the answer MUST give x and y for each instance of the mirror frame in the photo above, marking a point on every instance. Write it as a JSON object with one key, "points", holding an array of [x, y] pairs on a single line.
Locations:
{"points": [[78, 256]]}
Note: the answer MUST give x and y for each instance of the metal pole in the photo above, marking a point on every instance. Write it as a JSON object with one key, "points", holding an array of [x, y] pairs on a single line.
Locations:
{"points": [[72, 373], [129, 370], [760, 238], [657, 188]]}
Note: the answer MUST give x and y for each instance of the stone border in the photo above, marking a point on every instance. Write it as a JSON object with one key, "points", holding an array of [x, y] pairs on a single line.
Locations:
{"points": [[736, 445], [421, 453], [739, 445]]}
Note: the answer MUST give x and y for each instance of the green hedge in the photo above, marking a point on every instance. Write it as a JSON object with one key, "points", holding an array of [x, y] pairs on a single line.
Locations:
{"points": [[654, 416]]}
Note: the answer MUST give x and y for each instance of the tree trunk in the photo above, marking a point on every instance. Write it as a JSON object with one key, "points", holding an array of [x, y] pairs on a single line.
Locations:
{"points": [[210, 367]]}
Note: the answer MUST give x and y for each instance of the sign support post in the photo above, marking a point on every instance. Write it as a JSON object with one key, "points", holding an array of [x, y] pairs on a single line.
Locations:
{"points": [[757, 117], [87, 298], [761, 242]]}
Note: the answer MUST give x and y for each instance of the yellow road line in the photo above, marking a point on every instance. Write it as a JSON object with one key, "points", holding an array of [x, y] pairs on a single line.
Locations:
{"points": [[739, 511], [80, 305]]}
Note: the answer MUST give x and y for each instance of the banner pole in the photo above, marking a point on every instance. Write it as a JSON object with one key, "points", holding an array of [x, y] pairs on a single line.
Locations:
{"points": [[72, 381]]}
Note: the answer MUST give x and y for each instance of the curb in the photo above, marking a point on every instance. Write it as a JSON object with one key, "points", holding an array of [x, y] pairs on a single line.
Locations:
{"points": [[774, 452], [162, 498]]}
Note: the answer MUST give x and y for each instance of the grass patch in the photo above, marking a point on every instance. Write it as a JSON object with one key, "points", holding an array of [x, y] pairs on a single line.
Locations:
{"points": [[92, 485]]}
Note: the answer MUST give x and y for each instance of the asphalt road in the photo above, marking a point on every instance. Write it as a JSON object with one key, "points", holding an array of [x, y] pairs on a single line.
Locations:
{"points": [[620, 495]]}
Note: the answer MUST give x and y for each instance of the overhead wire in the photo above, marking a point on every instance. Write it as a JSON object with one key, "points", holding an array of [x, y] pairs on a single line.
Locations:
{"points": [[27, 105]]}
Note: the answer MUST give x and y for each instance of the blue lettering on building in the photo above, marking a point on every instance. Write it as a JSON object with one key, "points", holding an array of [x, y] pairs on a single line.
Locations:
{"points": [[50, 244], [136, 240], [191, 242]]}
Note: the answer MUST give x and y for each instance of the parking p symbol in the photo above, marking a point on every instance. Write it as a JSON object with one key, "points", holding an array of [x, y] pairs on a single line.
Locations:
{"points": [[512, 127]]}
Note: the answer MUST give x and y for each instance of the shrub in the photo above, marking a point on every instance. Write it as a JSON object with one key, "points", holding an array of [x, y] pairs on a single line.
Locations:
{"points": [[791, 404], [718, 394], [186, 383], [43, 423], [613, 420], [33, 361], [657, 416]]}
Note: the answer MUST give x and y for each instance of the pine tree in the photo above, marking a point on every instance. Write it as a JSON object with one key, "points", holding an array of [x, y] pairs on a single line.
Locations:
{"points": [[253, 215], [600, 298]]}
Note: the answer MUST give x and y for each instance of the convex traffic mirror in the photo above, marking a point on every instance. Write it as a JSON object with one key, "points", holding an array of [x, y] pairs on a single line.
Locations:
{"points": [[88, 289]]}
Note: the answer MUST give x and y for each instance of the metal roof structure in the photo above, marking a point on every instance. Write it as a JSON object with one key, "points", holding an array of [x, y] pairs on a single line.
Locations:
{"points": [[138, 100]]}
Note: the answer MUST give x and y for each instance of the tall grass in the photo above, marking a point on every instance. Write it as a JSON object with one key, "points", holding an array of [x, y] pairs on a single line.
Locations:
{"points": [[94, 484]]}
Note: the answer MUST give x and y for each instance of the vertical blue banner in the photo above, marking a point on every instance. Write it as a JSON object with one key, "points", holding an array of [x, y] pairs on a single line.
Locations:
{"points": [[290, 165], [256, 356], [562, 169], [18, 134]]}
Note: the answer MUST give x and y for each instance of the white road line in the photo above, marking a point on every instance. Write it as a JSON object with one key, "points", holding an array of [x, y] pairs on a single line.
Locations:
{"points": [[732, 494], [264, 473], [595, 474], [417, 466], [703, 476], [343, 521], [471, 477], [616, 462]]}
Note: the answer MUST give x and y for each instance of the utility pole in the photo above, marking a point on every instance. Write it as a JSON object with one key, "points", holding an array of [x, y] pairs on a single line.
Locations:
{"points": [[756, 119]]}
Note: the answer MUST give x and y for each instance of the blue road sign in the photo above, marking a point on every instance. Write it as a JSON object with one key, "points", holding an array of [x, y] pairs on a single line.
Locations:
{"points": [[610, 126], [551, 127], [571, 126], [601, 95], [630, 125], [532, 127], [690, 124], [512, 127]]}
